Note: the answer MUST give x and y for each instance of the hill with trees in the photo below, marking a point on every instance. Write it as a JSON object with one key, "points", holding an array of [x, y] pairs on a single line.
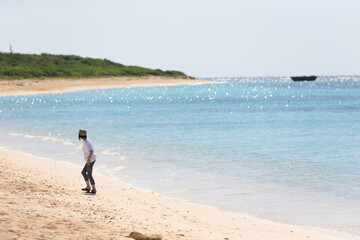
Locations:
{"points": [[28, 66]]}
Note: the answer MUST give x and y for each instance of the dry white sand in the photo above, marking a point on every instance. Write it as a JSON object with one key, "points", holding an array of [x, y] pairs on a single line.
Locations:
{"points": [[32, 86], [42, 199]]}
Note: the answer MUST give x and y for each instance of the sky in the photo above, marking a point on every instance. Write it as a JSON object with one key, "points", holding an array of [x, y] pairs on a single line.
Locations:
{"points": [[203, 38]]}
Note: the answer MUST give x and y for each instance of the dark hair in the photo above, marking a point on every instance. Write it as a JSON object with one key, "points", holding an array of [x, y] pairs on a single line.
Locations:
{"points": [[82, 137]]}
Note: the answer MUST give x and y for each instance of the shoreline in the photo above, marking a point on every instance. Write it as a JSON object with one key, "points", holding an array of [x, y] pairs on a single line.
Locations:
{"points": [[36, 86], [42, 197]]}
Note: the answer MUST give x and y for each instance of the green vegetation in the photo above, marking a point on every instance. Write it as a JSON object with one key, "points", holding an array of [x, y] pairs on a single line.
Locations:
{"points": [[20, 66]]}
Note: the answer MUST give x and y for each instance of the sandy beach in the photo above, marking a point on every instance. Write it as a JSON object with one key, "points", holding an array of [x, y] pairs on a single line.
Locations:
{"points": [[42, 199], [34, 86]]}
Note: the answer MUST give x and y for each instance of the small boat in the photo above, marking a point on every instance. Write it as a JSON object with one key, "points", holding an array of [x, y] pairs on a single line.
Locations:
{"points": [[304, 78]]}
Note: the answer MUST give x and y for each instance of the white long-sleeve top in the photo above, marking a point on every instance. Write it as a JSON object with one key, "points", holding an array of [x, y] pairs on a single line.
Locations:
{"points": [[87, 146]]}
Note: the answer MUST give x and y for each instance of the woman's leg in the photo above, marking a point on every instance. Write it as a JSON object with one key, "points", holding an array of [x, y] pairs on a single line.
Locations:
{"points": [[83, 172], [89, 175]]}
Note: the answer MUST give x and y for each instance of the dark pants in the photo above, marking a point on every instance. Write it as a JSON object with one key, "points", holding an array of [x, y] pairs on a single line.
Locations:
{"points": [[87, 173]]}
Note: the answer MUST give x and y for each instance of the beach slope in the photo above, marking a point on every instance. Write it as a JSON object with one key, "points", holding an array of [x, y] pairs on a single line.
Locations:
{"points": [[42, 199]]}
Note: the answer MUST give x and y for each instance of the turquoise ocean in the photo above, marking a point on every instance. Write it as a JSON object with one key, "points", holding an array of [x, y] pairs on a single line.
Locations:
{"points": [[267, 146]]}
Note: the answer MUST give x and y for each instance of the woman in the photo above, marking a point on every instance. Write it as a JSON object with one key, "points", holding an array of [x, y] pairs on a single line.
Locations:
{"points": [[90, 158]]}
